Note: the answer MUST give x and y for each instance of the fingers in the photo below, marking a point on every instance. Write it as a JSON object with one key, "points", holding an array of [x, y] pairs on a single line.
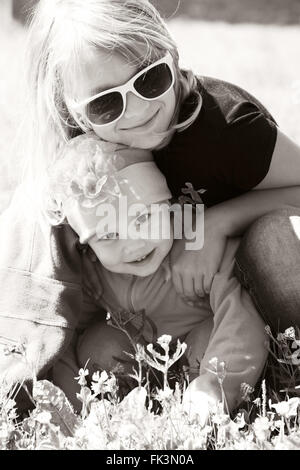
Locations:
{"points": [[188, 286], [198, 285], [177, 282], [207, 282], [199, 405]]}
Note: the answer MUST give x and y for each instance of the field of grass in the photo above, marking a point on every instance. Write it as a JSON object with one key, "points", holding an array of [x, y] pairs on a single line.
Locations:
{"points": [[155, 417], [233, 11]]}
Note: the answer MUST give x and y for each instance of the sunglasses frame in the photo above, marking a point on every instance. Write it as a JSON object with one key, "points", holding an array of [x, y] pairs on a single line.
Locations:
{"points": [[123, 90]]}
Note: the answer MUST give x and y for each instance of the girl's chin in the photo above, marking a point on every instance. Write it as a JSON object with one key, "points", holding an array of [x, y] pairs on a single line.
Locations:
{"points": [[145, 142], [147, 267]]}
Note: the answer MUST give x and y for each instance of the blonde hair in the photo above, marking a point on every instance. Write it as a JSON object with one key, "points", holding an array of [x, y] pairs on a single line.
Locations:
{"points": [[61, 32]]}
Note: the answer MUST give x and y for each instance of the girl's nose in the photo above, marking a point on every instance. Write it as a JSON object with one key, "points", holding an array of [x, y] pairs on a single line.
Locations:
{"points": [[135, 106]]}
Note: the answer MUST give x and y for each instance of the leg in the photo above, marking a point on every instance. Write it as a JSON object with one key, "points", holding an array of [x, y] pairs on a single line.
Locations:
{"points": [[103, 347], [63, 374], [197, 341], [268, 266]]}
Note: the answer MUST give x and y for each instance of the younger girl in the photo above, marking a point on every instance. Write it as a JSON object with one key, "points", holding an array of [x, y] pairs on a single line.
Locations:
{"points": [[112, 67], [134, 251]]}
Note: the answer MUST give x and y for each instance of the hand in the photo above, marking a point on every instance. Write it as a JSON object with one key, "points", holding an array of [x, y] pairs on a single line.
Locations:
{"points": [[92, 285], [198, 404], [193, 271]]}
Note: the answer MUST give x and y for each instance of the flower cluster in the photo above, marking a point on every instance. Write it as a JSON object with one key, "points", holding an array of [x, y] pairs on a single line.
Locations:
{"points": [[86, 171], [133, 423]]}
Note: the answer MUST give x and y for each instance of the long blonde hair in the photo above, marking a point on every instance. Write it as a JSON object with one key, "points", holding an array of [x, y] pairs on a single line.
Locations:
{"points": [[60, 33]]}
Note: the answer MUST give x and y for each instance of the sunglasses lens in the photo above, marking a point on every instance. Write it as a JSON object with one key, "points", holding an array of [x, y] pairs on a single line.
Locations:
{"points": [[155, 82], [105, 109]]}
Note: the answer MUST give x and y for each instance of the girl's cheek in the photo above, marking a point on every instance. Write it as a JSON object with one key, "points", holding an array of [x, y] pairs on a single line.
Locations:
{"points": [[107, 133], [109, 256]]}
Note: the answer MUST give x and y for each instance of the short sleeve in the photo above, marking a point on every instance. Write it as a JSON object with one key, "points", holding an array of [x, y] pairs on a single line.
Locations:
{"points": [[249, 142]]}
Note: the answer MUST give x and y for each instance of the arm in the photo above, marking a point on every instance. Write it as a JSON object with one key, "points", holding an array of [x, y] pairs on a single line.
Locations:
{"points": [[285, 165], [231, 218], [279, 188], [238, 337], [193, 272]]}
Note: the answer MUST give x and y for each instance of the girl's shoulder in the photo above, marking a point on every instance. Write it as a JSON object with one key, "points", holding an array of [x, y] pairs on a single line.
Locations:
{"points": [[228, 147], [224, 103]]}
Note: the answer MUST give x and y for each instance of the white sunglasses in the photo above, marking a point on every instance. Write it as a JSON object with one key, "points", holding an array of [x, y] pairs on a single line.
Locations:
{"points": [[107, 107]]}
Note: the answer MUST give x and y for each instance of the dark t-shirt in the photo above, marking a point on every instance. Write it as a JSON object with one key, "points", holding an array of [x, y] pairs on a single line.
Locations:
{"points": [[228, 148]]}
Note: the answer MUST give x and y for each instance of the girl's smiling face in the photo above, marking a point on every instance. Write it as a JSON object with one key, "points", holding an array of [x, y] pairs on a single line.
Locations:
{"points": [[143, 121], [142, 255], [148, 241]]}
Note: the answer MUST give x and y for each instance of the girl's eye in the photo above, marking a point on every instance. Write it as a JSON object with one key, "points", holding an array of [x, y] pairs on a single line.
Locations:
{"points": [[141, 219], [110, 236]]}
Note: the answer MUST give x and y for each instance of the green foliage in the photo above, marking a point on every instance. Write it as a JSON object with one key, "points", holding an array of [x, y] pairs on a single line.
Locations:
{"points": [[106, 422]]}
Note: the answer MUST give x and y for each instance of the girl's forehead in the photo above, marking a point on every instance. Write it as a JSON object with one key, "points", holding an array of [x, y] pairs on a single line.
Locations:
{"points": [[100, 70]]}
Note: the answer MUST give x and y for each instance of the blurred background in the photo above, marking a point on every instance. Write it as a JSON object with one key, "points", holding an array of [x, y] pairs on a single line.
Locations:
{"points": [[252, 43]]}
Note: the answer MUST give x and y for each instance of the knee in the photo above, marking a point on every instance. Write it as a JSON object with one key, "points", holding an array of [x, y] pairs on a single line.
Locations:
{"points": [[197, 341], [271, 241], [103, 347]]}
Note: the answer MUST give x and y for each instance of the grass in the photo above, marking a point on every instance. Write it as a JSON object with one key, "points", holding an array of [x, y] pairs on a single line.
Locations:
{"points": [[108, 423], [233, 11]]}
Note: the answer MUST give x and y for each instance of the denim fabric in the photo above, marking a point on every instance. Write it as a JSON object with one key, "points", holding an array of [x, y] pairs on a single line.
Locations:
{"points": [[268, 266], [41, 296]]}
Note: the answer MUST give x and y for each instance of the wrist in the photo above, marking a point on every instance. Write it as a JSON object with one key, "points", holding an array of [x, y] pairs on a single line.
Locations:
{"points": [[217, 220]]}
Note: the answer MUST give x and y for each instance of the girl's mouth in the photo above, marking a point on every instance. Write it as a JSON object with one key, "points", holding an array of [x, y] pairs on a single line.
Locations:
{"points": [[143, 259], [147, 125]]}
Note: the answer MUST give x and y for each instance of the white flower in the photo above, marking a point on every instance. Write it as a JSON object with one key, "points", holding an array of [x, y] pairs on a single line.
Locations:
{"points": [[217, 368], [257, 401], [287, 408], [213, 363], [290, 333], [164, 341], [102, 383], [44, 417], [140, 353], [164, 395], [97, 377], [86, 171], [261, 428], [81, 377]]}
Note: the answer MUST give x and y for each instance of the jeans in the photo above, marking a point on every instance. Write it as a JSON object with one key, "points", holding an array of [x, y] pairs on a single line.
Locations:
{"points": [[268, 266]]}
